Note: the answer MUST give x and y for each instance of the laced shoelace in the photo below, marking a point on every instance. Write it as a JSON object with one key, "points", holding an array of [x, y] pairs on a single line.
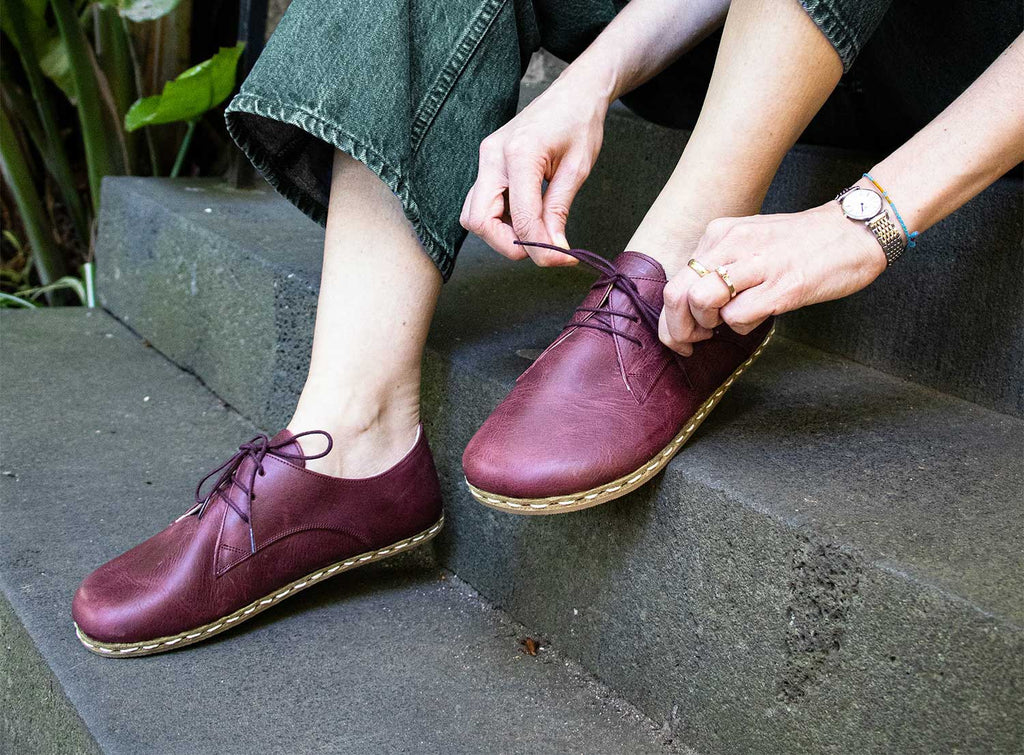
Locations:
{"points": [[648, 314], [256, 449]]}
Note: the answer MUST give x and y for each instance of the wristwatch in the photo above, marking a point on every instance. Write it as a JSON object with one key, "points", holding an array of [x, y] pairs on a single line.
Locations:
{"points": [[867, 205]]}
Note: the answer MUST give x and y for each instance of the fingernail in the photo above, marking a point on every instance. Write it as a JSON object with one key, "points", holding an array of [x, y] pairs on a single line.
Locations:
{"points": [[561, 241]]}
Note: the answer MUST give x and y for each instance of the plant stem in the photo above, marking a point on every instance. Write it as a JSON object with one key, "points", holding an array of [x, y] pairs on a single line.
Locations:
{"points": [[90, 110], [115, 62], [55, 154], [89, 275], [19, 301], [18, 176], [184, 148], [154, 161], [118, 145]]}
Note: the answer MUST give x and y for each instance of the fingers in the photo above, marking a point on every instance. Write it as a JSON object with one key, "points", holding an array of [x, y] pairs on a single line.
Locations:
{"points": [[677, 327], [562, 189], [749, 309], [526, 208], [694, 304], [709, 294], [484, 210], [677, 344]]}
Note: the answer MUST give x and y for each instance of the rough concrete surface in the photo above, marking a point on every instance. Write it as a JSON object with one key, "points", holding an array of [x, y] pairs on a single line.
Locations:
{"points": [[835, 547], [36, 717], [103, 440], [832, 565]]}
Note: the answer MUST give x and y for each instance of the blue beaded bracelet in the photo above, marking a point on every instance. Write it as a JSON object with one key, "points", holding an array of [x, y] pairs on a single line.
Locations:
{"points": [[911, 236]]}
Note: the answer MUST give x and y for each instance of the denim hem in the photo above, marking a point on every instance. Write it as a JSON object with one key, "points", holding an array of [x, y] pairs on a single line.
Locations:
{"points": [[836, 30], [295, 115], [466, 47]]}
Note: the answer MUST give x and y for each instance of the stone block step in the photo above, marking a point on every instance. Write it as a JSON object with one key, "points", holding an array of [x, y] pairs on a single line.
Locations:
{"points": [[831, 565], [103, 440]]}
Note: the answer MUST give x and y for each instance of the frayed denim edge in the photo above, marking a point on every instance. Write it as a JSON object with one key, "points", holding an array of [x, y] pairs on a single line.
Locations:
{"points": [[294, 115], [835, 29]]}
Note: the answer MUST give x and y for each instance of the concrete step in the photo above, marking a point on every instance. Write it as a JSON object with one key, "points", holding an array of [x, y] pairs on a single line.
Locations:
{"points": [[949, 315], [831, 565], [103, 440]]}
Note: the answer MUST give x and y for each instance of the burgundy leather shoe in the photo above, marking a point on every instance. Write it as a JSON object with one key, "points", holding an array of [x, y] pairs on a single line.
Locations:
{"points": [[607, 405], [267, 529]]}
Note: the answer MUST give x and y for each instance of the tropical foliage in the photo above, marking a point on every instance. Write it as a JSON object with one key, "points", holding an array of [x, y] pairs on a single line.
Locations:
{"points": [[70, 106]]}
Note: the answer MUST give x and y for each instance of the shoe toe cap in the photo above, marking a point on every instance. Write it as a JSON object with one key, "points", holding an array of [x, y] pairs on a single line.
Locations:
{"points": [[147, 592], [519, 463], [100, 612]]}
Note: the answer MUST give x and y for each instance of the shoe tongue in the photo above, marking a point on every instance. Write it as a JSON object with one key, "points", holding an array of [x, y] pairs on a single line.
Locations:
{"points": [[648, 275], [637, 265], [292, 448]]}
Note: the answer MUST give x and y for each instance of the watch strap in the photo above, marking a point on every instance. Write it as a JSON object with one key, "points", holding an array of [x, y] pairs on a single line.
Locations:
{"points": [[888, 235], [885, 231]]}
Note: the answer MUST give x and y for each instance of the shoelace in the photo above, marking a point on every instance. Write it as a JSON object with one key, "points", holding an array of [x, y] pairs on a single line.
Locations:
{"points": [[648, 313], [256, 449]]}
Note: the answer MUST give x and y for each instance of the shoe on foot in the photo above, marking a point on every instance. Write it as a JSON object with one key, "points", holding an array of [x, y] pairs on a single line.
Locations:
{"points": [[607, 405], [267, 529]]}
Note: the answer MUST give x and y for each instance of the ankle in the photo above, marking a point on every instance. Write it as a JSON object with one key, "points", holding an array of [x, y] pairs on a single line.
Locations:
{"points": [[369, 436], [671, 246]]}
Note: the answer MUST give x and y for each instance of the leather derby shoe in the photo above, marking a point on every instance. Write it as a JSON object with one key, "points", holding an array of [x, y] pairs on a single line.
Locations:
{"points": [[266, 529], [607, 405]]}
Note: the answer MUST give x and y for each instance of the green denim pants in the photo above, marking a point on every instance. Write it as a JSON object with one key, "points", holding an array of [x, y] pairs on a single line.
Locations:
{"points": [[411, 87]]}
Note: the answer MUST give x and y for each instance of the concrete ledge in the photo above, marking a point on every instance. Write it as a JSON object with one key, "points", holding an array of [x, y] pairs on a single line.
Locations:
{"points": [[36, 716], [103, 440], [832, 565]]}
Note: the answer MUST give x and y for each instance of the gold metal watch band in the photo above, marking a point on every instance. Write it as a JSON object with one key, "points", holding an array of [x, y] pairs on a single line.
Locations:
{"points": [[888, 235]]}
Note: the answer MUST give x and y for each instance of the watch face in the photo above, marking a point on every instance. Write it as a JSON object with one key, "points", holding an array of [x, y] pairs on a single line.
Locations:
{"points": [[862, 204]]}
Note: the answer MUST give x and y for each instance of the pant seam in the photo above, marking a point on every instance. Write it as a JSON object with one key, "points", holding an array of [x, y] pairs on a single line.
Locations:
{"points": [[467, 46]]}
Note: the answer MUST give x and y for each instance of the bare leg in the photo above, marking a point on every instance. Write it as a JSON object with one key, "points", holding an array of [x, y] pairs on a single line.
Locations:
{"points": [[378, 291], [774, 70]]}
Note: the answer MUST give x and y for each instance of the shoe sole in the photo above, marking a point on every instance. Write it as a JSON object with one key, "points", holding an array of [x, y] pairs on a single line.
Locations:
{"points": [[192, 636], [563, 504]]}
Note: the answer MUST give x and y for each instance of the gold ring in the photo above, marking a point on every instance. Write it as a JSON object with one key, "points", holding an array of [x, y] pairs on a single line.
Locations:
{"points": [[698, 268], [724, 275]]}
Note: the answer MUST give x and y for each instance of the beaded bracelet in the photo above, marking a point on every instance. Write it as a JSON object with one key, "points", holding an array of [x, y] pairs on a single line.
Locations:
{"points": [[911, 236]]}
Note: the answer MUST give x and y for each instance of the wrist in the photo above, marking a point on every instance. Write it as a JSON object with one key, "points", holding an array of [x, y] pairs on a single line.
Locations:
{"points": [[857, 235], [903, 216], [867, 202], [865, 183], [598, 80]]}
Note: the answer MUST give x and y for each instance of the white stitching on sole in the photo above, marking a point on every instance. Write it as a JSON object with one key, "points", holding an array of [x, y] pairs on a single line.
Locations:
{"points": [[247, 610], [660, 459]]}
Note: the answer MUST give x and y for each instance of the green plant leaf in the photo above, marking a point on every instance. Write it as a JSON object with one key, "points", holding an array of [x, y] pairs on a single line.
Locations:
{"points": [[34, 12], [13, 240], [197, 90], [142, 10], [54, 62], [9, 300], [43, 41], [16, 173], [68, 282], [100, 160]]}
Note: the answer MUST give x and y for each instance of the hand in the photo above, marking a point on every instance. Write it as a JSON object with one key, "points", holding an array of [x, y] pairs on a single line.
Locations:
{"points": [[556, 138], [777, 263]]}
